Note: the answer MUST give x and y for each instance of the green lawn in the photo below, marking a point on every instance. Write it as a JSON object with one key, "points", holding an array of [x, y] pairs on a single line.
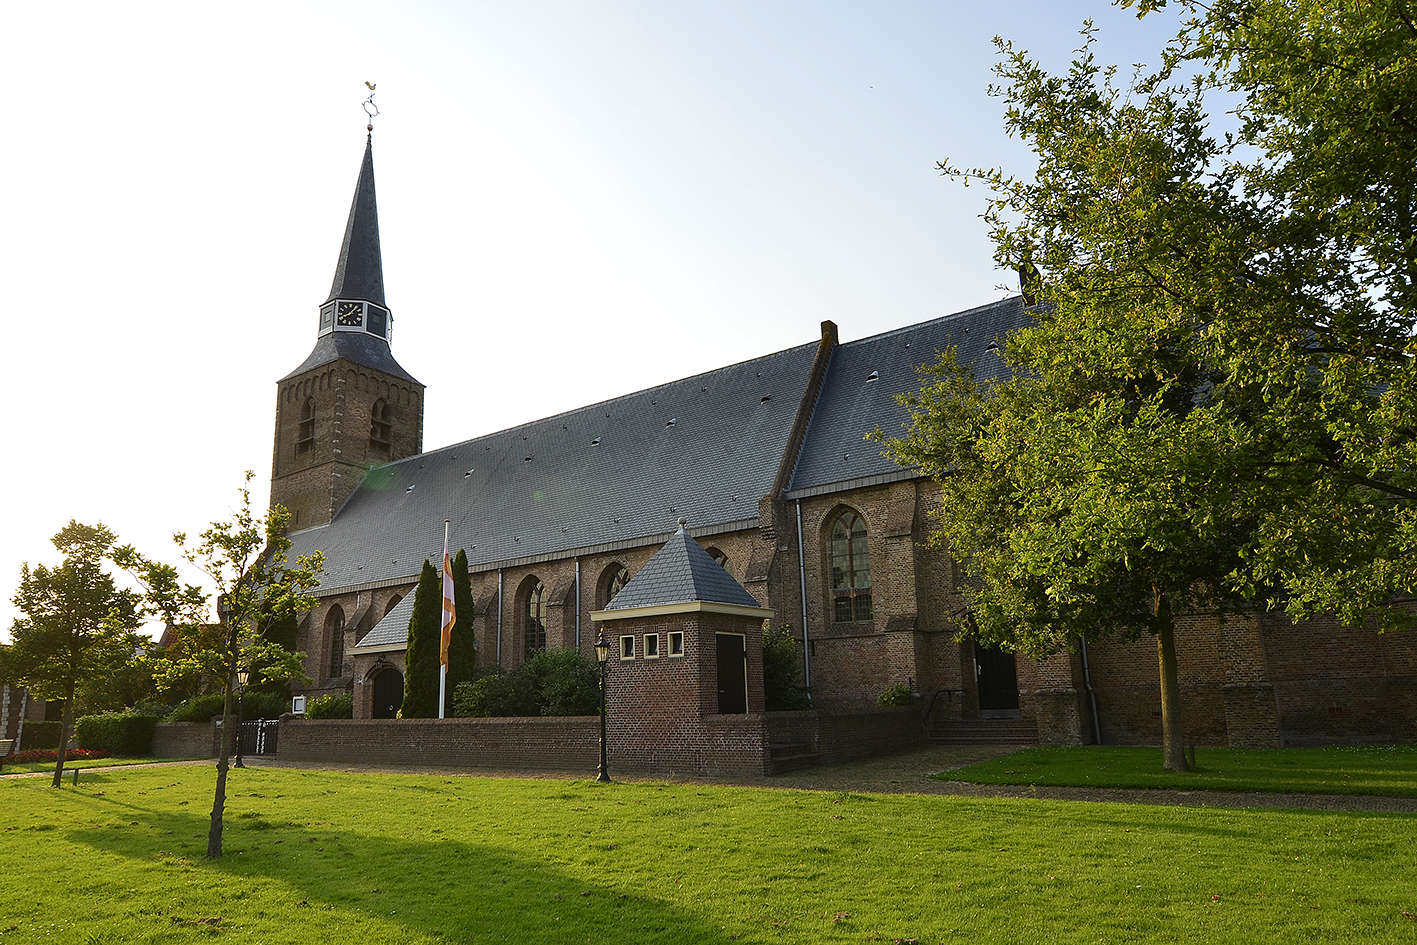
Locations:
{"points": [[80, 763], [362, 858], [1390, 770]]}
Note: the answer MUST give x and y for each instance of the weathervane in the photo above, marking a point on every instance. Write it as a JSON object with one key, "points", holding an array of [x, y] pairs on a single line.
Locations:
{"points": [[370, 108]]}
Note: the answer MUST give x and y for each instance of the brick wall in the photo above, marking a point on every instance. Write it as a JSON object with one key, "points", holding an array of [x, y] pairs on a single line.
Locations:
{"points": [[186, 740], [533, 744], [836, 738]]}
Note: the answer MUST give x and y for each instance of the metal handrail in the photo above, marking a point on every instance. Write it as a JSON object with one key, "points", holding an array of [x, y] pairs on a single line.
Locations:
{"points": [[936, 696]]}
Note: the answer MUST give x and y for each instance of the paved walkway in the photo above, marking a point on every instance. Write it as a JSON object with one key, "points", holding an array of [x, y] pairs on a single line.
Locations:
{"points": [[906, 773]]}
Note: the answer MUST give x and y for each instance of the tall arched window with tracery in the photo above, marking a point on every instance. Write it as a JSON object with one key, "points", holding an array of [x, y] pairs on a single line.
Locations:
{"points": [[612, 581], [379, 426], [851, 569], [534, 617], [334, 632], [305, 438]]}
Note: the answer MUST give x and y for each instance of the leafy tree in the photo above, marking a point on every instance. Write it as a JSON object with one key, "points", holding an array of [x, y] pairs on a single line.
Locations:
{"points": [[78, 626], [462, 650], [425, 629], [258, 592], [1217, 399]]}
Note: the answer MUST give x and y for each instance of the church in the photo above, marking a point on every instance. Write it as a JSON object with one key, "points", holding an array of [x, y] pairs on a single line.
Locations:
{"points": [[766, 464]]}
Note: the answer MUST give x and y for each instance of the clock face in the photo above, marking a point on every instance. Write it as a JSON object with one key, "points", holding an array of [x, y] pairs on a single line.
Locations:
{"points": [[351, 313]]}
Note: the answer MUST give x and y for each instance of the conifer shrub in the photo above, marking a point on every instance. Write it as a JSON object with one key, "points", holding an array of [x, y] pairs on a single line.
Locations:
{"points": [[552, 682], [119, 733], [782, 670], [330, 707]]}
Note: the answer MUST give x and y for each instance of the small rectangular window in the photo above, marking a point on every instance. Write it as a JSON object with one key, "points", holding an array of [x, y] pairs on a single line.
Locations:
{"points": [[676, 643], [651, 646], [627, 648]]}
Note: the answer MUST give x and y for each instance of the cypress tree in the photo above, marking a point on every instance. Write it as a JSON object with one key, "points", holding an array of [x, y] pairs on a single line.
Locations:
{"points": [[420, 678], [462, 652]]}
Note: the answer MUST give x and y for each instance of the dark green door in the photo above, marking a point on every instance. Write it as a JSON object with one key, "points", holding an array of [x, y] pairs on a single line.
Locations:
{"points": [[732, 674], [997, 677], [388, 694]]}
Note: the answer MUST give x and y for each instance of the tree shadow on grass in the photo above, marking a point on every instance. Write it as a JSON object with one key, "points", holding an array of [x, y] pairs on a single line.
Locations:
{"points": [[275, 870]]}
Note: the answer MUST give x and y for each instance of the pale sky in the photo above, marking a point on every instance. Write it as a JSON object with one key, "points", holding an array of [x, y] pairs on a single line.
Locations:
{"points": [[577, 200]]}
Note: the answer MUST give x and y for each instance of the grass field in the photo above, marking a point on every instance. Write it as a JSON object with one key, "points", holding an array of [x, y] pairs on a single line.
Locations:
{"points": [[1386, 770], [70, 764], [321, 856]]}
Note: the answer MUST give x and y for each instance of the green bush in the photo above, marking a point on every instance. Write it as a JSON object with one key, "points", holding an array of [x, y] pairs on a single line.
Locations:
{"points": [[897, 695], [41, 735], [121, 734], [782, 671], [553, 682], [330, 707], [198, 708], [264, 705]]}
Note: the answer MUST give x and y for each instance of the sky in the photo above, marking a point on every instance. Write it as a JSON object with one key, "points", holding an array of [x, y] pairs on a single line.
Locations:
{"points": [[577, 200]]}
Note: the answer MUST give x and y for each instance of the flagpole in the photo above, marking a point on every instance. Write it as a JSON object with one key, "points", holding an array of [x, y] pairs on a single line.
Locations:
{"points": [[446, 628]]}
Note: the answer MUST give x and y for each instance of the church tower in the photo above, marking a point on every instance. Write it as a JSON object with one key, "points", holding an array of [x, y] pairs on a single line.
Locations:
{"points": [[349, 405]]}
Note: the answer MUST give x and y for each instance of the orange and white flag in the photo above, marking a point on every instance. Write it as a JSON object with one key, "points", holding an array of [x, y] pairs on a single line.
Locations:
{"points": [[450, 612]]}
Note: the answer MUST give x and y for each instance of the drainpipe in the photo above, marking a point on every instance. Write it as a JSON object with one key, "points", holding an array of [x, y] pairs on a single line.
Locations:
{"points": [[578, 605], [802, 580], [499, 616], [4, 709], [1092, 696]]}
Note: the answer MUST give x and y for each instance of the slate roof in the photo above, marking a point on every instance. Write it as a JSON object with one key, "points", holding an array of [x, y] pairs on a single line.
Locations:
{"points": [[357, 346], [853, 404], [705, 447], [360, 271], [393, 628], [679, 573]]}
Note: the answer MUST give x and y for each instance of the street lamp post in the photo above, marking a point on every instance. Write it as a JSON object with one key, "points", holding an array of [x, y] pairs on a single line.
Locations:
{"points": [[242, 677], [602, 656]]}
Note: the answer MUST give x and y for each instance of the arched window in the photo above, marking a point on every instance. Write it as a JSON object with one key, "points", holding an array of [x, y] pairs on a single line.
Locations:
{"points": [[534, 617], [393, 602], [305, 438], [334, 632], [851, 569], [379, 437], [719, 557], [612, 582]]}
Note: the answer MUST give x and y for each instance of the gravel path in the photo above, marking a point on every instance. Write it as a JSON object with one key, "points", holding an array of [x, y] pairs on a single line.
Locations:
{"points": [[909, 773]]}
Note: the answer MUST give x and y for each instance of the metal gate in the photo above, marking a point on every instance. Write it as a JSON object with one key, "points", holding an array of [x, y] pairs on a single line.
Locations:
{"points": [[259, 737]]}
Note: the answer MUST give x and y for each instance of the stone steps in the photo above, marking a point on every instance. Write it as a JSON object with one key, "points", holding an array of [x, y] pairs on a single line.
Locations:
{"points": [[985, 732]]}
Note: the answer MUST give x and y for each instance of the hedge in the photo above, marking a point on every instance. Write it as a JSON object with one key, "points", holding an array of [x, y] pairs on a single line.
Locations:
{"points": [[121, 734], [41, 735]]}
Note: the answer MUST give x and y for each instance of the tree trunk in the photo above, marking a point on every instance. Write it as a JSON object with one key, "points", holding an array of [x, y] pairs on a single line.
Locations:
{"points": [[66, 728], [219, 802], [1173, 743]]}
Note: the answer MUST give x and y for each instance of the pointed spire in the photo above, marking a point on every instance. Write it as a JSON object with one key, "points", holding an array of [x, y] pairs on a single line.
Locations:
{"points": [[360, 273]]}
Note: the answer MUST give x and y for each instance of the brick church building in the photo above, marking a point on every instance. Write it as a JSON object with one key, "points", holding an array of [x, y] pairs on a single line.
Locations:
{"points": [[766, 463]]}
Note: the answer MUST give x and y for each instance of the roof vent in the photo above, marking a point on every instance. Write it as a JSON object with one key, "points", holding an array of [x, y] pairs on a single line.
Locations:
{"points": [[874, 376], [991, 346], [469, 472], [907, 344], [672, 421], [847, 456], [595, 442], [527, 459], [766, 398], [409, 489]]}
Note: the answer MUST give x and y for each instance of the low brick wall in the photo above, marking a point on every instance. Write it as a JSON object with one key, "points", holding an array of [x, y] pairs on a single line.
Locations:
{"points": [[534, 744], [185, 740], [839, 737]]}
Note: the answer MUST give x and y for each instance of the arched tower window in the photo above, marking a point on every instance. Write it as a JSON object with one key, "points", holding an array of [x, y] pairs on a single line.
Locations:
{"points": [[719, 557], [534, 617], [612, 581], [379, 427], [334, 632], [305, 437], [851, 569], [393, 602]]}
